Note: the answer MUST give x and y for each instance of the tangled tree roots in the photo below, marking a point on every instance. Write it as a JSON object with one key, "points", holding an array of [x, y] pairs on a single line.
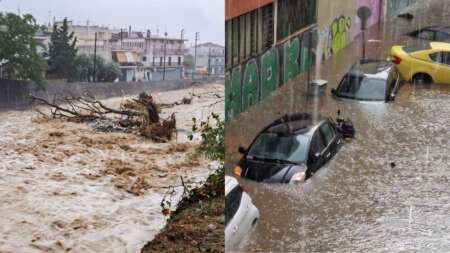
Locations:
{"points": [[141, 113]]}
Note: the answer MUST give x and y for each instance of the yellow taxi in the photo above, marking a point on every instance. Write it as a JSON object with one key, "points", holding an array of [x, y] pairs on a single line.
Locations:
{"points": [[427, 62]]}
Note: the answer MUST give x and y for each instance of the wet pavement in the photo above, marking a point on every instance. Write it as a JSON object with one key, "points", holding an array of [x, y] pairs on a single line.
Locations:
{"points": [[385, 191]]}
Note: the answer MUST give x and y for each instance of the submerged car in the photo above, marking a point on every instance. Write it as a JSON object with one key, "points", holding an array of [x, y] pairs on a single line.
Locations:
{"points": [[291, 149], [240, 213], [426, 62], [369, 80], [432, 33]]}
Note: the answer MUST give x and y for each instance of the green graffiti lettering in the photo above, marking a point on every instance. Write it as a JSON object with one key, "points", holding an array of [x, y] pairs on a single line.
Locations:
{"points": [[250, 85], [233, 93], [291, 54], [338, 31], [269, 72], [304, 65]]}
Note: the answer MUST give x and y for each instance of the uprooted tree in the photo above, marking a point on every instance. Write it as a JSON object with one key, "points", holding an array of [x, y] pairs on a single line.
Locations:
{"points": [[141, 114]]}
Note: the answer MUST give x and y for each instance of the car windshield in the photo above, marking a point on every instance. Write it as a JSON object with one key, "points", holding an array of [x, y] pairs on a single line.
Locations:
{"points": [[274, 146], [362, 88]]}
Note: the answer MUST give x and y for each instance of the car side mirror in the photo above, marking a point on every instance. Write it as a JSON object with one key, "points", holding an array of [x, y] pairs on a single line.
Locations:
{"points": [[317, 156], [241, 150], [333, 91]]}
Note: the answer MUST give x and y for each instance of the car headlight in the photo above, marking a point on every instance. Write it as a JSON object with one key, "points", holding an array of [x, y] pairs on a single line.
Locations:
{"points": [[237, 170], [298, 177]]}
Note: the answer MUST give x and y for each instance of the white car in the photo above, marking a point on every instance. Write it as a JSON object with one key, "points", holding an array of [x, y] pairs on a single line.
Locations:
{"points": [[240, 213]]}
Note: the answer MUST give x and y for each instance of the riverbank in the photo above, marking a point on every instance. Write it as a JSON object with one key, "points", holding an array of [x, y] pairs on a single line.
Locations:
{"points": [[197, 225]]}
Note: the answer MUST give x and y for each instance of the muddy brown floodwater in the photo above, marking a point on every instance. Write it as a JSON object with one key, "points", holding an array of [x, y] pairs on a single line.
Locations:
{"points": [[67, 188], [358, 202]]}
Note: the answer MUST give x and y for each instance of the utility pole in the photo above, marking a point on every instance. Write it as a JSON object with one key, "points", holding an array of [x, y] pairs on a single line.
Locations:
{"points": [[121, 38], [182, 34], [164, 58], [197, 34], [209, 62], [95, 56]]}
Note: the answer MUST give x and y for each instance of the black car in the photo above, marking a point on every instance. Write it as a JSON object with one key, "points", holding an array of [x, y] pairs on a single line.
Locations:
{"points": [[369, 80], [290, 150], [432, 33]]}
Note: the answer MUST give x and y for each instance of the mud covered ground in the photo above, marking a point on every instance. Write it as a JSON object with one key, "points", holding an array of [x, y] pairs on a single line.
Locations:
{"points": [[198, 223], [68, 188]]}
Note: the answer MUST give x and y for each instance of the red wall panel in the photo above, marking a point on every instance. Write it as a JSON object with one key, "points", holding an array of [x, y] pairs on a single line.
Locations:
{"points": [[234, 8]]}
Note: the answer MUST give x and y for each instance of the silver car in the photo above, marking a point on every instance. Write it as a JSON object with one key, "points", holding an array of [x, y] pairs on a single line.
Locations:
{"points": [[240, 213]]}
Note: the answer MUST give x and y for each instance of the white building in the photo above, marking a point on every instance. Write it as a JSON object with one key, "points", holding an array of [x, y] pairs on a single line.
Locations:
{"points": [[85, 35], [210, 58], [160, 57]]}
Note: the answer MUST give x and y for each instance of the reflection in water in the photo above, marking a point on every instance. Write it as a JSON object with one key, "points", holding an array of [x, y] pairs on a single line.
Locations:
{"points": [[387, 190], [360, 200]]}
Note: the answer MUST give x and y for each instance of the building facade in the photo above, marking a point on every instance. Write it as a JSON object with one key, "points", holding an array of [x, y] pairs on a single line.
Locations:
{"points": [[161, 58], [271, 42], [85, 35], [268, 43], [210, 58]]}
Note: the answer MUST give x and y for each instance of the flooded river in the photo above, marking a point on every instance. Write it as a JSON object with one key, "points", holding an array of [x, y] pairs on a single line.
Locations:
{"points": [[386, 191], [66, 188]]}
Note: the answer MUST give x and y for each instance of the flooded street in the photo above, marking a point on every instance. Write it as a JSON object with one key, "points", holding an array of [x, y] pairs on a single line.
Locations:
{"points": [[358, 201], [66, 188], [385, 191]]}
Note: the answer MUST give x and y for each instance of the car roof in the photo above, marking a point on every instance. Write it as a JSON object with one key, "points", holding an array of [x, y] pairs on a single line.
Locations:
{"points": [[440, 45], [371, 68], [294, 123], [230, 184]]}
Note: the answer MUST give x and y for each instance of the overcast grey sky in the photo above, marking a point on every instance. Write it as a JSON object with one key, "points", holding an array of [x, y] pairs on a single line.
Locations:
{"points": [[204, 16]]}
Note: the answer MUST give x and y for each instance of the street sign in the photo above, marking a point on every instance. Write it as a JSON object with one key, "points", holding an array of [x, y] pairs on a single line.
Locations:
{"points": [[364, 14]]}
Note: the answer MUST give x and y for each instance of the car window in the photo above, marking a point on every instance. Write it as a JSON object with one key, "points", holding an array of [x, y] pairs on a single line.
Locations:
{"points": [[328, 132], [444, 37], [317, 144], [417, 47], [288, 147], [436, 57], [362, 88], [446, 58], [441, 57], [426, 34], [232, 203]]}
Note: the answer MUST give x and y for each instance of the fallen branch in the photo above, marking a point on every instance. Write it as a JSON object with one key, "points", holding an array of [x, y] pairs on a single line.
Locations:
{"points": [[141, 112]]}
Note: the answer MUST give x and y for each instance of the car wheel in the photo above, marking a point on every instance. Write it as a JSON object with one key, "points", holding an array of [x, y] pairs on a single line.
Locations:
{"points": [[422, 78]]}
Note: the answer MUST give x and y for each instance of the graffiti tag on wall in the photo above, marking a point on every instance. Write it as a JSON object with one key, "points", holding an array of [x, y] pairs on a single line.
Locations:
{"points": [[336, 35], [257, 78]]}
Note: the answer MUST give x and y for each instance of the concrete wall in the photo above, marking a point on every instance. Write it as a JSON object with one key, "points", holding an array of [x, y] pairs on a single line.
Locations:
{"points": [[395, 7], [377, 14], [15, 94], [338, 23], [257, 78], [335, 22]]}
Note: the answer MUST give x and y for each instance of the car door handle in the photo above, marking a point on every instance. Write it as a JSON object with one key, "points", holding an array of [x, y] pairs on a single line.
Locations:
{"points": [[235, 228], [328, 155]]}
